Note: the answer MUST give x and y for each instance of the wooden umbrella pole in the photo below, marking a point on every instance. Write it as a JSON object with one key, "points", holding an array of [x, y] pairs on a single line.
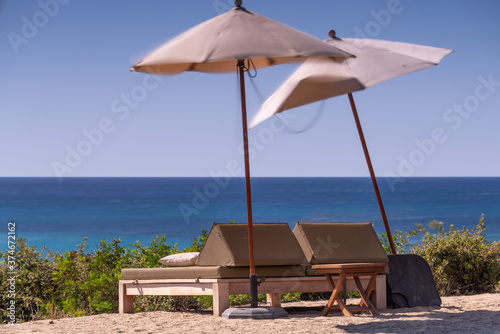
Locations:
{"points": [[253, 277], [372, 174]]}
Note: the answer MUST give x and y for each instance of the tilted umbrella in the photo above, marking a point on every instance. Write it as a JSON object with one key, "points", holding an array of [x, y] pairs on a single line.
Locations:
{"points": [[319, 79], [232, 42]]}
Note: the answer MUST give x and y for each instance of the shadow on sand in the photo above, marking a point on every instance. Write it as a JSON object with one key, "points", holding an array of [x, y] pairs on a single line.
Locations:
{"points": [[419, 320]]}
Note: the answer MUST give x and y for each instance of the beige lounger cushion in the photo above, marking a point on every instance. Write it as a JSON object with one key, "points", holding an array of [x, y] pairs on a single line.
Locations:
{"points": [[274, 245], [180, 259], [210, 272], [324, 243]]}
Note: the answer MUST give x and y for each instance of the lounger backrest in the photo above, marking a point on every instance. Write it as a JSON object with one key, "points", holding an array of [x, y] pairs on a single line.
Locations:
{"points": [[274, 244], [339, 243]]}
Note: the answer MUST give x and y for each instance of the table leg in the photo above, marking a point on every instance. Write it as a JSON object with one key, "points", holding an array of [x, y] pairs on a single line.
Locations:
{"points": [[343, 307], [335, 293], [371, 285], [365, 296]]}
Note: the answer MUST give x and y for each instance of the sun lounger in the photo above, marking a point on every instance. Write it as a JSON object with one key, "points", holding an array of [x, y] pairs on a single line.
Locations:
{"points": [[337, 243], [222, 269], [342, 251]]}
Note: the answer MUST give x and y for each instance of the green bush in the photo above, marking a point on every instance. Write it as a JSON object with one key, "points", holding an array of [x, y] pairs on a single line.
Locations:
{"points": [[77, 283], [462, 261], [148, 256], [400, 239], [88, 283], [33, 281]]}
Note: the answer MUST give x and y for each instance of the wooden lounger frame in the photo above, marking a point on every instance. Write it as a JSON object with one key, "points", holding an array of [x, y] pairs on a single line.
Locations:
{"points": [[221, 288]]}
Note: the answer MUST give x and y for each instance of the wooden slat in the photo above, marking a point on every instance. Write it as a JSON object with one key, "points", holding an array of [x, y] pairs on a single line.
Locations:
{"points": [[379, 294], [221, 298], [125, 301], [168, 289], [274, 299], [274, 285], [349, 268], [349, 265], [173, 280]]}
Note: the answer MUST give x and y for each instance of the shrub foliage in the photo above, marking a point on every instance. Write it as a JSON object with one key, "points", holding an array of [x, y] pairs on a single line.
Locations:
{"points": [[77, 283], [462, 260]]}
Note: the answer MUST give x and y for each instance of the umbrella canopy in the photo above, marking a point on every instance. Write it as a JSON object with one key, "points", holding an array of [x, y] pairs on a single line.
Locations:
{"points": [[376, 61], [319, 79], [223, 44], [215, 46]]}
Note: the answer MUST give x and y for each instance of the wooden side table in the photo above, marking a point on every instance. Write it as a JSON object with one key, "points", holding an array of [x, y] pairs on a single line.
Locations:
{"points": [[337, 273]]}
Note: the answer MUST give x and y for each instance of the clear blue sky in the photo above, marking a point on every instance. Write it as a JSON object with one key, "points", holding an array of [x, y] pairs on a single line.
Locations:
{"points": [[65, 73]]}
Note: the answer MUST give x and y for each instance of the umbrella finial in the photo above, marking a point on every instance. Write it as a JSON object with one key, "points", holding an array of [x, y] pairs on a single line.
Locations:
{"points": [[332, 33], [238, 3]]}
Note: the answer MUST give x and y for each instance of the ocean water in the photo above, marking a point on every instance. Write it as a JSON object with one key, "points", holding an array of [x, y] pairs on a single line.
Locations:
{"points": [[58, 215]]}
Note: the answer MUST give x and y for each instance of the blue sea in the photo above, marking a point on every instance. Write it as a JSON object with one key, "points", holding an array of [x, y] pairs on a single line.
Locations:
{"points": [[60, 213]]}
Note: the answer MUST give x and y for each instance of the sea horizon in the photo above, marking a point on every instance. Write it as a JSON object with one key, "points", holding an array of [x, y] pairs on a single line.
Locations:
{"points": [[59, 214]]}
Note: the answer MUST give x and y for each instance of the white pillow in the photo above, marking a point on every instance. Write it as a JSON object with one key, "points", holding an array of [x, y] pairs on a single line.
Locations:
{"points": [[180, 259]]}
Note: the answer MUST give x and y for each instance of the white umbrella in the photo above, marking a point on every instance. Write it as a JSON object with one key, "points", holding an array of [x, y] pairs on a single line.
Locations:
{"points": [[219, 44], [224, 44], [319, 79]]}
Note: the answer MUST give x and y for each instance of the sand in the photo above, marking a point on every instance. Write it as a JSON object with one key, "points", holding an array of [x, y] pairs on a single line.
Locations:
{"points": [[463, 314]]}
